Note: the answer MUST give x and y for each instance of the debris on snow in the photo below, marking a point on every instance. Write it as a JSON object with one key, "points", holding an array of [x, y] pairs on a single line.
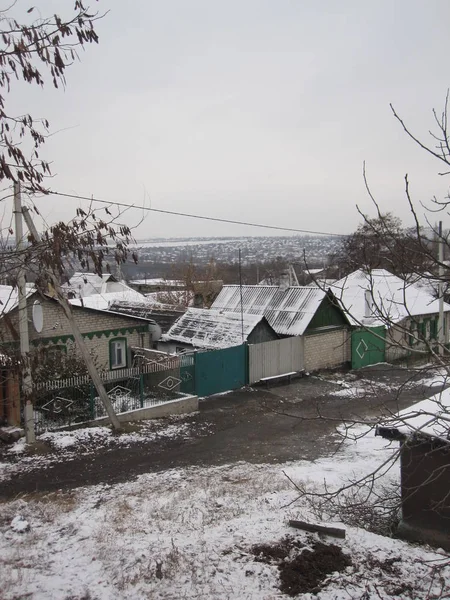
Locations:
{"points": [[19, 524]]}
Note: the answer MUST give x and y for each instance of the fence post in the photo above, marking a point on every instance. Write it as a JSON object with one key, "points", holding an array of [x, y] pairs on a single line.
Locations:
{"points": [[141, 389], [91, 400]]}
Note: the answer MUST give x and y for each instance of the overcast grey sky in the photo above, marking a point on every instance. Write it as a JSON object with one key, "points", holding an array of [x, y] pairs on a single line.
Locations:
{"points": [[259, 110]]}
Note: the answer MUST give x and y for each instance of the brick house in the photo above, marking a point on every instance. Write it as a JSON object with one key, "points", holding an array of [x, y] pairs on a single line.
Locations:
{"points": [[110, 337]]}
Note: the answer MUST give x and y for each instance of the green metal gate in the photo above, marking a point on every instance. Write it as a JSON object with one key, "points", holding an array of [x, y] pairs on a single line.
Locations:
{"points": [[187, 373], [221, 370], [368, 347]]}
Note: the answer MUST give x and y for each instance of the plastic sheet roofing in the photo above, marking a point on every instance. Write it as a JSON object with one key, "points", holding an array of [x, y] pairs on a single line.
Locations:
{"points": [[210, 329], [391, 299], [288, 311]]}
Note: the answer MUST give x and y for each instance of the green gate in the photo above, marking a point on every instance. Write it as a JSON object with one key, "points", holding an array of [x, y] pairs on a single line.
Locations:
{"points": [[221, 370], [187, 373], [367, 347]]}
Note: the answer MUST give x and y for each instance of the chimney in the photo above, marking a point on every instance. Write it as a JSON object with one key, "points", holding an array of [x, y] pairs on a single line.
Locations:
{"points": [[285, 281], [368, 304]]}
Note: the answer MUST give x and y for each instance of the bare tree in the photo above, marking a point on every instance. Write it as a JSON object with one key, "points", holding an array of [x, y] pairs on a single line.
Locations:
{"points": [[381, 242], [35, 50], [38, 50]]}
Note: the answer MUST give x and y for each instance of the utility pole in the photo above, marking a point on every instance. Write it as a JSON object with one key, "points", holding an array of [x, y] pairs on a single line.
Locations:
{"points": [[27, 384], [240, 292], [67, 308], [441, 329]]}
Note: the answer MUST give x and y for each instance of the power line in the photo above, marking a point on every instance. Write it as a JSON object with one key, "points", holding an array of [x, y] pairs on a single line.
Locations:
{"points": [[191, 216]]}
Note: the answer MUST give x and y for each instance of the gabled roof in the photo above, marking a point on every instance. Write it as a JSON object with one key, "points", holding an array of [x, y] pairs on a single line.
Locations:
{"points": [[288, 311], [211, 329], [391, 298]]}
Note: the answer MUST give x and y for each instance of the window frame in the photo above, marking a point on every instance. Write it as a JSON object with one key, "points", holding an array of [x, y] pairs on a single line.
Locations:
{"points": [[113, 355]]}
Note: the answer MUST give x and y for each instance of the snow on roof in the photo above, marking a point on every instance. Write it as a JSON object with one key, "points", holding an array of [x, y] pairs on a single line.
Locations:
{"points": [[159, 281], [391, 298], [430, 417], [88, 284], [164, 314], [288, 311], [104, 301], [211, 329], [9, 297], [314, 271]]}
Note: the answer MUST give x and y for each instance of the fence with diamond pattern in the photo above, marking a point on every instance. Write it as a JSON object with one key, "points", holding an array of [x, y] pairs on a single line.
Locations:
{"points": [[63, 402]]}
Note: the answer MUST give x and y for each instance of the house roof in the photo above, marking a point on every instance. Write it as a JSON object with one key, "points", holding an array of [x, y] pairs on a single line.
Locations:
{"points": [[9, 297], [288, 311], [428, 417], [105, 300], [164, 314], [211, 329], [82, 285], [392, 299]]}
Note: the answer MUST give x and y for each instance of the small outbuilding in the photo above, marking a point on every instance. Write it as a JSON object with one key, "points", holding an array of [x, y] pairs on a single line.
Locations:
{"points": [[423, 432], [207, 329]]}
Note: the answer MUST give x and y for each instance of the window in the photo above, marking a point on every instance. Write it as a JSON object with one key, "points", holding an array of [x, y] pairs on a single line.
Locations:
{"points": [[434, 328], [118, 353], [413, 340]]}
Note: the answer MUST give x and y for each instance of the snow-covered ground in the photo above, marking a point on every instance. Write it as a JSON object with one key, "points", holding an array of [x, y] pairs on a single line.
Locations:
{"points": [[189, 533], [65, 445]]}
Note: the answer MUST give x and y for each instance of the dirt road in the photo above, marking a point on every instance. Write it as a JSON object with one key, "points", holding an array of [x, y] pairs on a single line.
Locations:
{"points": [[255, 425]]}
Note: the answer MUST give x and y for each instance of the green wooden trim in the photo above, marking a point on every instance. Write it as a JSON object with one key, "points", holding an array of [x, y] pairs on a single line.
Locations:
{"points": [[326, 315], [98, 334], [118, 339]]}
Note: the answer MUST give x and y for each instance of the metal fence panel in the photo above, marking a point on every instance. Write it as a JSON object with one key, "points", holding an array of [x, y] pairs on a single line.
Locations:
{"points": [[368, 347], [221, 370], [187, 373], [275, 358], [64, 402]]}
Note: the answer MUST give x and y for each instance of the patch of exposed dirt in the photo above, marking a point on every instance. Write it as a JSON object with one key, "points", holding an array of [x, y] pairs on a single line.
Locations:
{"points": [[302, 570], [270, 553]]}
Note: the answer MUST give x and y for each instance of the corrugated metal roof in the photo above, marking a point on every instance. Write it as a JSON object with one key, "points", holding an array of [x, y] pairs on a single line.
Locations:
{"points": [[392, 299], [287, 311], [211, 329]]}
